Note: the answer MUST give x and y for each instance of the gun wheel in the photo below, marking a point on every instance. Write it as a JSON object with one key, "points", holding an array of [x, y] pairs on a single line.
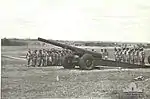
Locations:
{"points": [[86, 62], [149, 59], [67, 62]]}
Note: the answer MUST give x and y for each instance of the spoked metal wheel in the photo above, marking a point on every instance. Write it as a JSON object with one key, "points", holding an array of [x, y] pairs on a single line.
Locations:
{"points": [[149, 59], [67, 62], [86, 62]]}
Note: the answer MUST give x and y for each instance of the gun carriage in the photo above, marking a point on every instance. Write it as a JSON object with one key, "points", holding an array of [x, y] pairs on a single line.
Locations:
{"points": [[87, 60]]}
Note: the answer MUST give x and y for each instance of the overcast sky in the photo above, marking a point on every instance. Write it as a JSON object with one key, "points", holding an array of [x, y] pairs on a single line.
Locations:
{"points": [[96, 20]]}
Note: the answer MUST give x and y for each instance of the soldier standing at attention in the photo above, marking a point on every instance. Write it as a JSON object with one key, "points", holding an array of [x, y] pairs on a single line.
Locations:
{"points": [[59, 58], [62, 56], [128, 56], [47, 57], [40, 58], [124, 54], [34, 63], [44, 57], [29, 57], [136, 56], [142, 56], [105, 54], [119, 55], [132, 55], [102, 52], [115, 53], [50, 58], [56, 58], [53, 57], [64, 52]]}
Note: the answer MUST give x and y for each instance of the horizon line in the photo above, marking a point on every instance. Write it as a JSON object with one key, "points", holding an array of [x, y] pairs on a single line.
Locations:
{"points": [[75, 40]]}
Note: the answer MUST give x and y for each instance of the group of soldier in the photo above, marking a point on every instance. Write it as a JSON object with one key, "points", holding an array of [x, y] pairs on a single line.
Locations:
{"points": [[134, 55], [104, 53], [43, 57], [46, 57]]}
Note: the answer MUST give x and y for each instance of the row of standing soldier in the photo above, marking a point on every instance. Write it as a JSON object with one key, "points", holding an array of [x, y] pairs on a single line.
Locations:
{"points": [[46, 57], [104, 53], [55, 57], [130, 55]]}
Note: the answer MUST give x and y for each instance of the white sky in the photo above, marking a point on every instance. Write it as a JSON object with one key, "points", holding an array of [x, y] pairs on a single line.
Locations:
{"points": [[99, 20]]}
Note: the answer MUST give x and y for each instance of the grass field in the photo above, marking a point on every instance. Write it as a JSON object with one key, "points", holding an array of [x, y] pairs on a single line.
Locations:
{"points": [[21, 82]]}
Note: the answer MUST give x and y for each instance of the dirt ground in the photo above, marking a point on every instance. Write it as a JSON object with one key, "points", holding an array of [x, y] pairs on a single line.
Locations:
{"points": [[22, 82]]}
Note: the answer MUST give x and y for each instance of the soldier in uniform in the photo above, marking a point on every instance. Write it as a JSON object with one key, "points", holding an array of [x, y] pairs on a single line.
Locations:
{"points": [[40, 58], [115, 53], [53, 57], [105, 54], [124, 54], [64, 52], [119, 55], [59, 58], [128, 55], [44, 57], [142, 56], [136, 56], [29, 57], [56, 58], [132, 55], [62, 56], [49, 59], [34, 63], [102, 52]]}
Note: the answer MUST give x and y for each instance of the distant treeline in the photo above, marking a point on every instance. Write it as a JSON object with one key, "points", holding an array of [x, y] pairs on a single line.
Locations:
{"points": [[8, 42], [100, 44], [148, 46]]}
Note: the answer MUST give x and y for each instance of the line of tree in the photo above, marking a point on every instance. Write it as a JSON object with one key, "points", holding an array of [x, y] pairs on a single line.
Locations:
{"points": [[103, 44], [7, 42]]}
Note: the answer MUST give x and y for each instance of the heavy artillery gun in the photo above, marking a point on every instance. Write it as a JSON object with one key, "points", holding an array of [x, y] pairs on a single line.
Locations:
{"points": [[87, 60]]}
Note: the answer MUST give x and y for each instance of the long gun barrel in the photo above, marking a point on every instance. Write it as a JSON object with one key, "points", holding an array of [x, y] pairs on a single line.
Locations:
{"points": [[79, 51]]}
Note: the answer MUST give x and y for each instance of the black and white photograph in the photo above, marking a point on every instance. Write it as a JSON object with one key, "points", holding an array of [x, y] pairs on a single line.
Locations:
{"points": [[75, 49]]}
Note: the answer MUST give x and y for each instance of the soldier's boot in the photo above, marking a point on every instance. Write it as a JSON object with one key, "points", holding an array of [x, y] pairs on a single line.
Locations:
{"points": [[39, 63], [28, 63]]}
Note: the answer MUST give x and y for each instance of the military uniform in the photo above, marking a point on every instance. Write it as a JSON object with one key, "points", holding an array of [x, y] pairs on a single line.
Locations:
{"points": [[124, 55], [49, 60], [136, 56], [62, 56], [132, 56], [115, 53], [40, 58], [105, 54], [59, 58], [128, 55], [44, 55], [102, 52], [29, 57], [53, 57], [34, 62], [142, 56], [56, 58], [120, 55]]}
